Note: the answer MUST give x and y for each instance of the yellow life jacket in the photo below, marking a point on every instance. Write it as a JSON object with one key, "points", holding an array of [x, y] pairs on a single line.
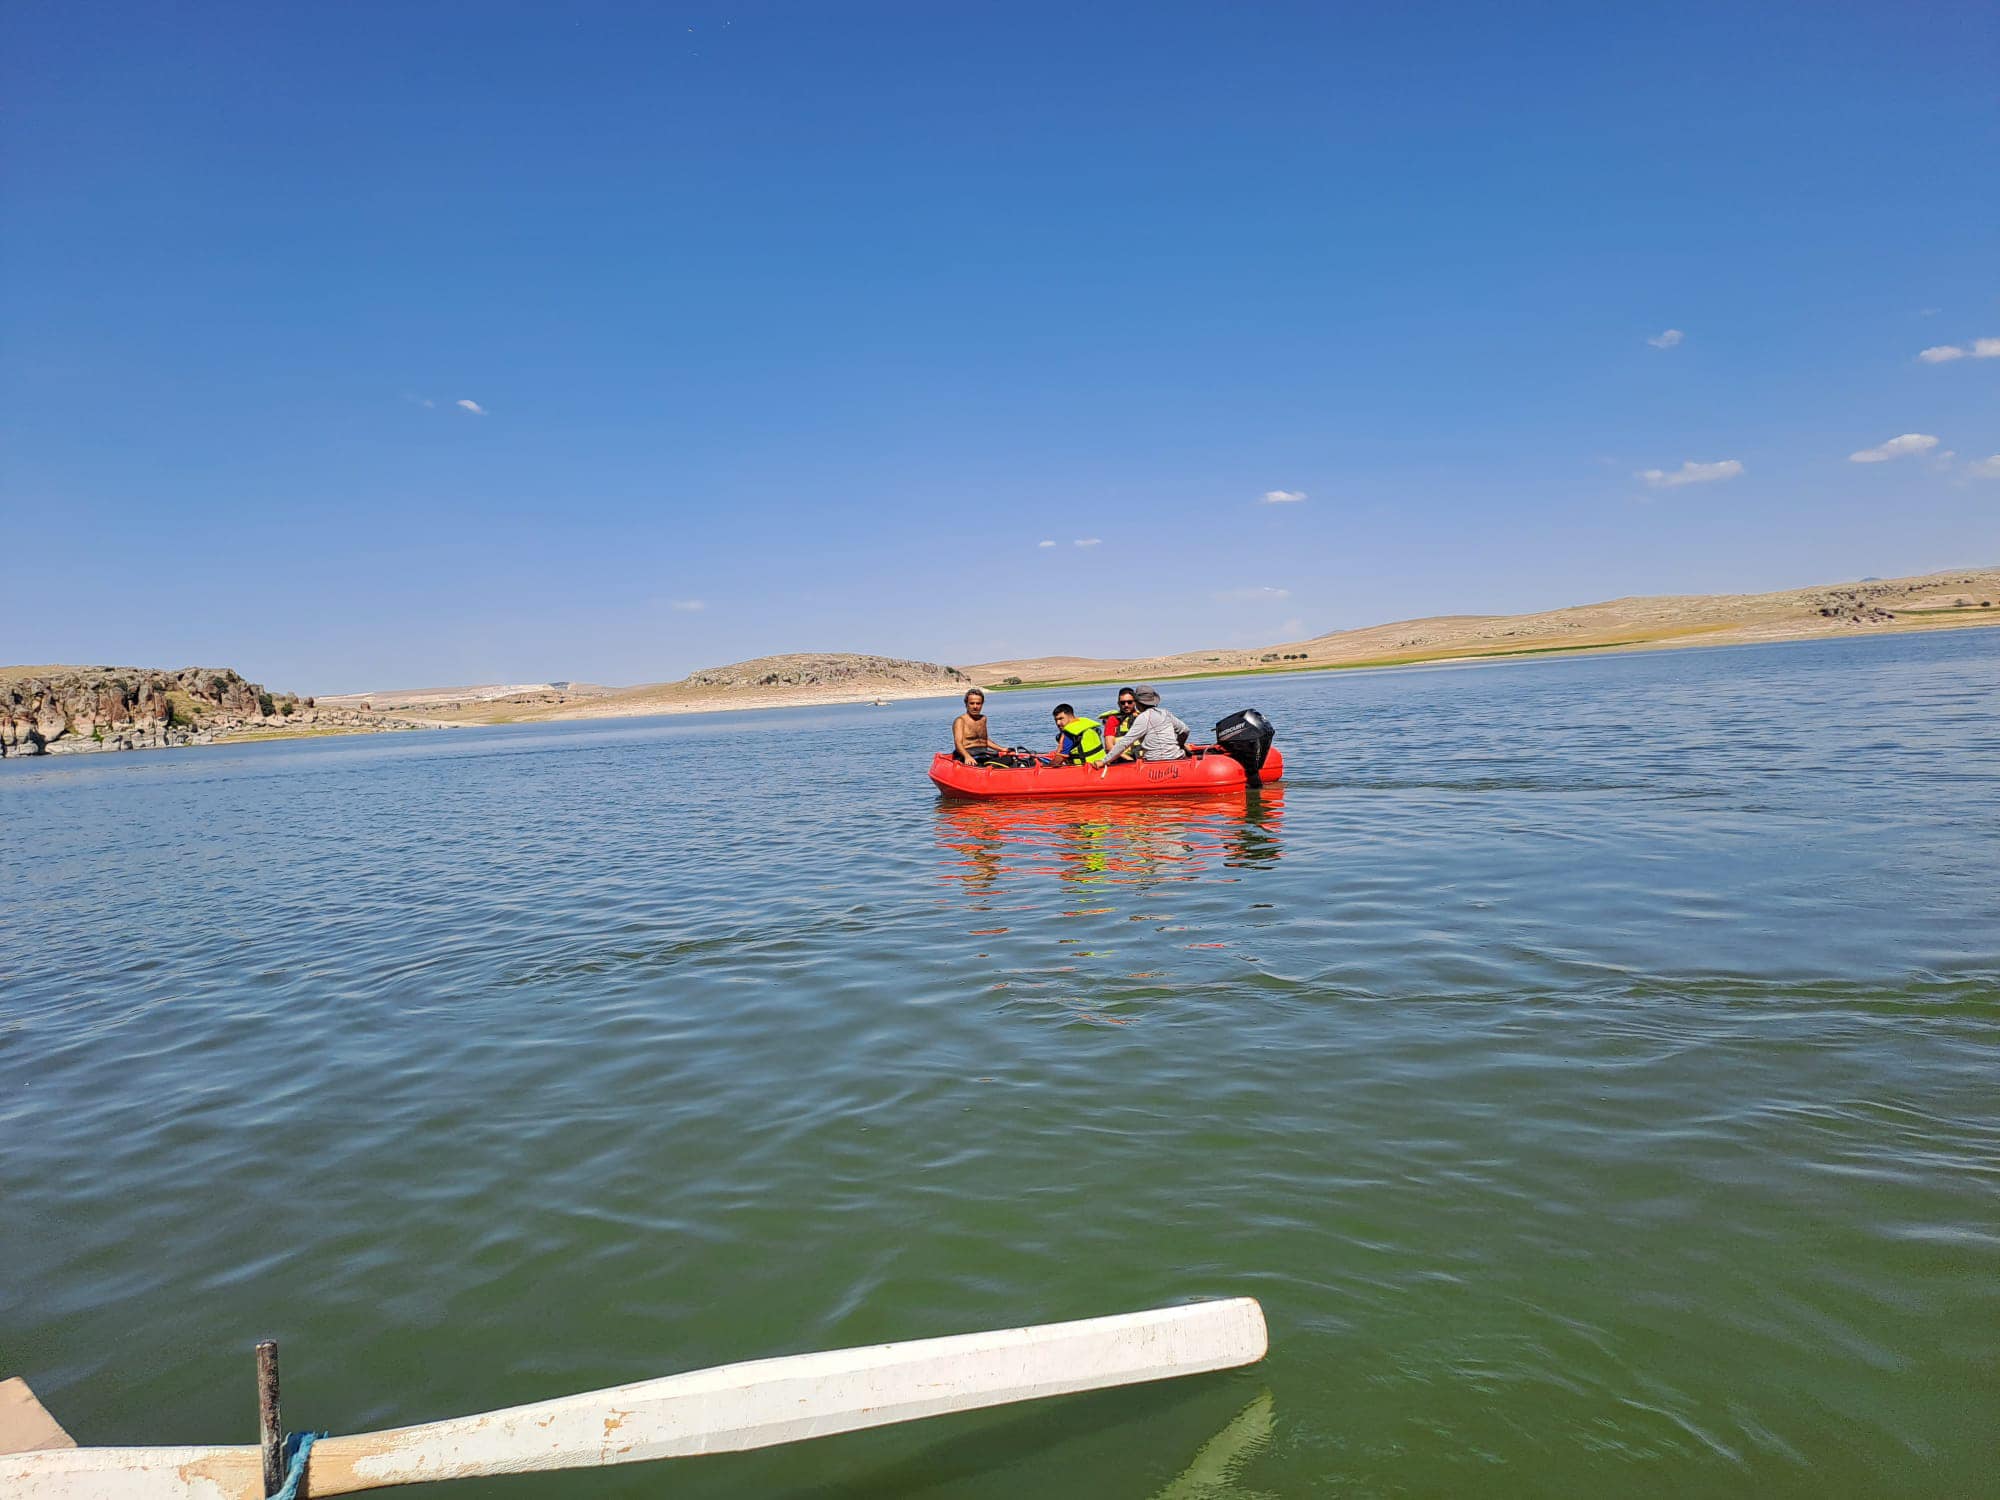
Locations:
{"points": [[1083, 741]]}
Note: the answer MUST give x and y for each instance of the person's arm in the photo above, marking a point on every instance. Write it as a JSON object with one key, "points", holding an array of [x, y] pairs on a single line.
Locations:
{"points": [[1127, 742]]}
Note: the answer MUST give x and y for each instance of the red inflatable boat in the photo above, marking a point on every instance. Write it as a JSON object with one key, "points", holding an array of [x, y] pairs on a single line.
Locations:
{"points": [[1207, 769]]}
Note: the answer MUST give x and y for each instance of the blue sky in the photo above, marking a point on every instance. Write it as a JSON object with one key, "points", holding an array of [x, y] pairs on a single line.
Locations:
{"points": [[821, 317]]}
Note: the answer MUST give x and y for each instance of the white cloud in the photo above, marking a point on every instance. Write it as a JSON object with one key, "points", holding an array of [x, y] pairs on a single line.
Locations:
{"points": [[474, 407], [1089, 541], [1690, 473], [1264, 595], [1667, 339], [1985, 468], [1045, 544], [690, 606], [1283, 497], [1896, 447], [1939, 354]]}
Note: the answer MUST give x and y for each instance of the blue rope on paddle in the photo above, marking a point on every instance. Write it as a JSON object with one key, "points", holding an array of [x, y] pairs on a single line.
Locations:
{"points": [[297, 1446]]}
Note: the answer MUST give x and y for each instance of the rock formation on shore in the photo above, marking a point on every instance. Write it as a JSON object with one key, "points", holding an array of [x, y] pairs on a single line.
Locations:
{"points": [[65, 710], [828, 670]]}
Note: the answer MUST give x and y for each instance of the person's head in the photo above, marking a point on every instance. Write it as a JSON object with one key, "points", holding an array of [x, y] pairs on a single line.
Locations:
{"points": [[1064, 713], [1128, 705], [1146, 697], [975, 702]]}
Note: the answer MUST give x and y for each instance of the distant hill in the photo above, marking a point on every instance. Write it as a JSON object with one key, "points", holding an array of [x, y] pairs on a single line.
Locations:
{"points": [[1931, 602], [62, 708], [797, 679]]}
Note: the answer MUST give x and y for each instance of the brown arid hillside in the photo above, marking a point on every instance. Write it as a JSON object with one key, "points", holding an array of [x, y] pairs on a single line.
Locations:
{"points": [[59, 709], [467, 700], [791, 681], [1933, 602]]}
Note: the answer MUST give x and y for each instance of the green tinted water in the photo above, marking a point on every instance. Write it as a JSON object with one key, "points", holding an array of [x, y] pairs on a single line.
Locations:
{"points": [[1591, 1065]]}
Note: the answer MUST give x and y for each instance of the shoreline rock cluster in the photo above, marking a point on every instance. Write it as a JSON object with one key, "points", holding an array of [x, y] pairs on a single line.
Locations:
{"points": [[78, 710], [1874, 603], [819, 669]]}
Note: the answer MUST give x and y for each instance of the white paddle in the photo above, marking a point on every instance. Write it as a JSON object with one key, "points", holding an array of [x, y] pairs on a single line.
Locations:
{"points": [[725, 1409]]}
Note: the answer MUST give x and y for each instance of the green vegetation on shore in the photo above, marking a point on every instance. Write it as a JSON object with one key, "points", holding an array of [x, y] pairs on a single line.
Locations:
{"points": [[184, 710], [303, 732]]}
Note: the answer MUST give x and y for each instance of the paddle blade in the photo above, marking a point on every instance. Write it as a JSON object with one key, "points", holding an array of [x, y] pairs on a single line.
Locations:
{"points": [[771, 1401], [726, 1409]]}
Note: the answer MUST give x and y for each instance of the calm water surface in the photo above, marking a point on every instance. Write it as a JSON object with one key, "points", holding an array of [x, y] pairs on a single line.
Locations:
{"points": [[1591, 1064]]}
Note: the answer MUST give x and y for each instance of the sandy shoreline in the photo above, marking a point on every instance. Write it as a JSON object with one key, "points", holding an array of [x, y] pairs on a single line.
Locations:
{"points": [[1959, 600], [1495, 656], [1694, 639], [410, 720], [1874, 605], [589, 709]]}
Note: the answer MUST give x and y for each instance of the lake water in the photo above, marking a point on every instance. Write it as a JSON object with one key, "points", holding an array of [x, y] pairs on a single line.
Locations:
{"points": [[1590, 1063]]}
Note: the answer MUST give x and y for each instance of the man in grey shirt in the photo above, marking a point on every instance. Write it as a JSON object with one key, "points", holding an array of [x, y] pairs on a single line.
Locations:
{"points": [[1156, 734]]}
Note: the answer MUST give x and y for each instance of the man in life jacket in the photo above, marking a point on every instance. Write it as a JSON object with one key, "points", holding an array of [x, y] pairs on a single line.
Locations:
{"points": [[1155, 734], [1114, 723], [1079, 741]]}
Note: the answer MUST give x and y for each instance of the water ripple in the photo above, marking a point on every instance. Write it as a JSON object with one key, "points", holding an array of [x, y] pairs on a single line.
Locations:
{"points": [[1589, 1063]]}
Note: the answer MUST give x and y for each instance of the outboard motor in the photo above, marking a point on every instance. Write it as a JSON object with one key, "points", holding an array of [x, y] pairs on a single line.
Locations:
{"points": [[1246, 735]]}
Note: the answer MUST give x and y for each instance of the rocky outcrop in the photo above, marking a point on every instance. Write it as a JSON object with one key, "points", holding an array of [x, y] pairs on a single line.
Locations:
{"points": [[65, 710], [70, 708], [828, 670], [1853, 607]]}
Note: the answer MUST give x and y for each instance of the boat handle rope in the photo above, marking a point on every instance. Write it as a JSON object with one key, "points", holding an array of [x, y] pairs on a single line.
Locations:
{"points": [[297, 1446]]}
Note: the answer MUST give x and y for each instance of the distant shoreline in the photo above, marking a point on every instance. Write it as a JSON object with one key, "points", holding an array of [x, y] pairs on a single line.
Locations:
{"points": [[1693, 641], [587, 709], [1947, 600], [795, 701], [83, 720], [1498, 657], [1379, 664]]}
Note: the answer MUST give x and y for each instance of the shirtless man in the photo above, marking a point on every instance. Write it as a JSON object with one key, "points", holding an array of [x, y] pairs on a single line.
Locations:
{"points": [[969, 730]]}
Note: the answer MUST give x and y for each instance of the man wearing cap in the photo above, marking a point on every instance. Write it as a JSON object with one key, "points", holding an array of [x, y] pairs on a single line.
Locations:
{"points": [[1155, 734]]}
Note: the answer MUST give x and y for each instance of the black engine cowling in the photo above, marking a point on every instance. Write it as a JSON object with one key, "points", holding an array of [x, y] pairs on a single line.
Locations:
{"points": [[1246, 735]]}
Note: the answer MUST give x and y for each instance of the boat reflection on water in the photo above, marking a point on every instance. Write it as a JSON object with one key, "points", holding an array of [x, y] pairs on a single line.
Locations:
{"points": [[1110, 840]]}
